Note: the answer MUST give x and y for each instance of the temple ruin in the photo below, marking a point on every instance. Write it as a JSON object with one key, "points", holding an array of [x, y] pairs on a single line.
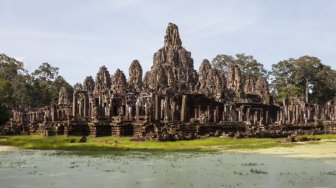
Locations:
{"points": [[173, 101]]}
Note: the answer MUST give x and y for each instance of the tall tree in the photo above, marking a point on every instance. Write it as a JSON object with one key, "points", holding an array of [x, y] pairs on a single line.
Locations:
{"points": [[323, 85], [282, 78], [221, 62], [46, 72], [307, 68], [249, 66], [305, 76], [10, 67], [20, 87]]}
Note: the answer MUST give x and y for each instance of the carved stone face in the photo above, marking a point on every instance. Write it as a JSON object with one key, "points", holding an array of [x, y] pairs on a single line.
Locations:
{"points": [[170, 80], [170, 55]]}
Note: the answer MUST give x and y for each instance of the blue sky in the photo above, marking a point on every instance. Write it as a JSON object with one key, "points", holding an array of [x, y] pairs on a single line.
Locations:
{"points": [[80, 36]]}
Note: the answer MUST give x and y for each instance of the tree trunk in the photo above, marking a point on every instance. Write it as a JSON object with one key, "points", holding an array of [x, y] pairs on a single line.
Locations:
{"points": [[307, 90]]}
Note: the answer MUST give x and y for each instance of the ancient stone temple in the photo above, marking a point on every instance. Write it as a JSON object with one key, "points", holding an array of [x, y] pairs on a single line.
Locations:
{"points": [[173, 67], [173, 101]]}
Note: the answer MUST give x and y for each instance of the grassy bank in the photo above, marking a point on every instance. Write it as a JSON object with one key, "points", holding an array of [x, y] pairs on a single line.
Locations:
{"points": [[110, 144]]}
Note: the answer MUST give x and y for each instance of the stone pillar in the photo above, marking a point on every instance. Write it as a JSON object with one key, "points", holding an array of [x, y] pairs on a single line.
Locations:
{"points": [[166, 108], [52, 113], [126, 111], [297, 114], [293, 115], [80, 107], [173, 111], [322, 114], [255, 118], [248, 115], [157, 107], [216, 114], [74, 104], [233, 114], [85, 106], [209, 113], [308, 114], [184, 108], [137, 112], [267, 117], [224, 114], [240, 114]]}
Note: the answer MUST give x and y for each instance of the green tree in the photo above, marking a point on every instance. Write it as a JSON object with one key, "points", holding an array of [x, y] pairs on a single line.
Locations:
{"points": [[20, 89], [307, 68], [323, 85], [4, 100], [10, 67], [78, 86], [305, 76], [282, 77], [46, 72], [249, 66], [221, 62]]}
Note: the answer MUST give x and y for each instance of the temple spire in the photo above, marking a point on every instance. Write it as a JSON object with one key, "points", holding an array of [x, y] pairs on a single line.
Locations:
{"points": [[172, 37]]}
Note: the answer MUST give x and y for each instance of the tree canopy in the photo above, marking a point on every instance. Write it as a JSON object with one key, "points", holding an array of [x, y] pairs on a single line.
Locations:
{"points": [[20, 89], [305, 76], [248, 65]]}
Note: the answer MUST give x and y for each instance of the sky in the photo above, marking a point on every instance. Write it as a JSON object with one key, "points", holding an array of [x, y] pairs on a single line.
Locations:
{"points": [[79, 36]]}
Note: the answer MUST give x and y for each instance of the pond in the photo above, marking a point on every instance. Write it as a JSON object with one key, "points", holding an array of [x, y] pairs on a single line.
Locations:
{"points": [[35, 168]]}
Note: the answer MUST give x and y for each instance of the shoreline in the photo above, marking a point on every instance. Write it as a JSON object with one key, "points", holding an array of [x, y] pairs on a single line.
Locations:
{"points": [[326, 148], [320, 149]]}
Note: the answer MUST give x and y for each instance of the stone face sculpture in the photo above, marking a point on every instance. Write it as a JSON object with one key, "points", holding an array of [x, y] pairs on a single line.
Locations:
{"points": [[135, 76], [63, 98], [88, 84], [249, 87], [103, 80], [119, 83], [262, 88], [210, 80], [172, 38], [173, 66], [146, 81], [234, 78]]}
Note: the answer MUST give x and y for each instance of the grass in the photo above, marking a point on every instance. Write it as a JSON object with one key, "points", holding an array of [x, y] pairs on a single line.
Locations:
{"points": [[113, 144]]}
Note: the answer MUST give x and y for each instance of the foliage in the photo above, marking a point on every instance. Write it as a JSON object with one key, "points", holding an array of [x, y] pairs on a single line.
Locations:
{"points": [[305, 76], [19, 89], [222, 62], [78, 86], [249, 66], [46, 72]]}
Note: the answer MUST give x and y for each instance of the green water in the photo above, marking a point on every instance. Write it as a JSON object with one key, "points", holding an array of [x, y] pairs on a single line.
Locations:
{"points": [[30, 168]]}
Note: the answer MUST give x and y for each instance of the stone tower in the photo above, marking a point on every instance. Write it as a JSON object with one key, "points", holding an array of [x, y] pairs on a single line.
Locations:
{"points": [[135, 76], [103, 80], [119, 83], [173, 66], [234, 78]]}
